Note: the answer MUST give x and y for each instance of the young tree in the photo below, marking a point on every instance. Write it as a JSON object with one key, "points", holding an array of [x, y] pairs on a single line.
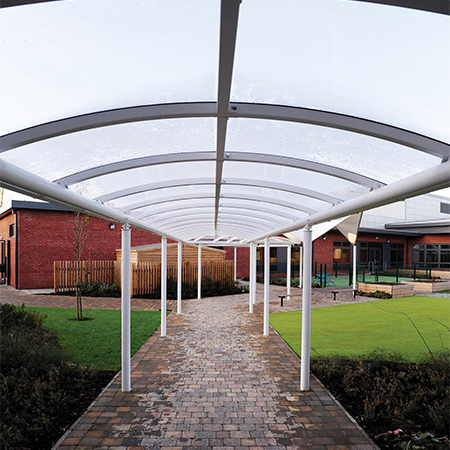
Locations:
{"points": [[78, 234]]}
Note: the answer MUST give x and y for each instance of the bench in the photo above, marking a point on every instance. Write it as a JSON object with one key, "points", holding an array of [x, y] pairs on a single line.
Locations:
{"points": [[344, 290], [282, 297]]}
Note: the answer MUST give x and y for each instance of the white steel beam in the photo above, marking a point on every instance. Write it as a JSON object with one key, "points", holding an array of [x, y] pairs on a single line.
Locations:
{"points": [[427, 181], [24, 182], [244, 196], [210, 109], [229, 15]]}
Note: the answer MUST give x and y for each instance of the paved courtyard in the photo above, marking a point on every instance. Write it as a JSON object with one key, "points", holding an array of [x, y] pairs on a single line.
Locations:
{"points": [[214, 382]]}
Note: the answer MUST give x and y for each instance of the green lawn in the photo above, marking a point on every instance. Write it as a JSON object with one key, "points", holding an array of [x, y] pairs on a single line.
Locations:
{"points": [[97, 343], [360, 328]]}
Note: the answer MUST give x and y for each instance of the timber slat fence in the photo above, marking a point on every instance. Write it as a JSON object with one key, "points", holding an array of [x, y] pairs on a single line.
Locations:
{"points": [[65, 273], [145, 277]]}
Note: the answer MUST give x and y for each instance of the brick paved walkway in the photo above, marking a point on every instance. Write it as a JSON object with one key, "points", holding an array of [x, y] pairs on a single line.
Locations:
{"points": [[214, 382]]}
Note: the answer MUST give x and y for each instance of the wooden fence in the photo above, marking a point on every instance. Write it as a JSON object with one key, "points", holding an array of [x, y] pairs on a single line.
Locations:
{"points": [[145, 277], [66, 273]]}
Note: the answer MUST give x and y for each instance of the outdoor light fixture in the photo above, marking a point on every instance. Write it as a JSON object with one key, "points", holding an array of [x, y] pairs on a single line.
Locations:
{"points": [[324, 238], [112, 226]]}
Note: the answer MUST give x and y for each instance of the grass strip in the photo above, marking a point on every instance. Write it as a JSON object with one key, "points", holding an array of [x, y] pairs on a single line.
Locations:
{"points": [[96, 343], [361, 328]]}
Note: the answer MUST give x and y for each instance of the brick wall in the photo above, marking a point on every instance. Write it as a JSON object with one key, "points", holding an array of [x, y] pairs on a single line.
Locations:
{"points": [[47, 236], [5, 222], [242, 260]]}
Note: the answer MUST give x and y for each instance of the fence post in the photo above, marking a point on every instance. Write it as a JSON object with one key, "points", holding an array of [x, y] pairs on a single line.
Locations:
{"points": [[376, 272], [325, 276], [396, 273]]}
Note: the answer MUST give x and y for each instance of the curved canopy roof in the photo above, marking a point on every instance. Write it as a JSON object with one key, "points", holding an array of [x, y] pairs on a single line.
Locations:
{"points": [[208, 120]]}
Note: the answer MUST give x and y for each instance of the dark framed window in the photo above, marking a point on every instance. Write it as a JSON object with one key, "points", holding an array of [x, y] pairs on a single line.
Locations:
{"points": [[437, 255], [341, 251], [12, 230]]}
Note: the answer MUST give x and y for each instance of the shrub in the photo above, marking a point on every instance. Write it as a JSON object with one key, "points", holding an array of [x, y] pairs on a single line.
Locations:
{"points": [[384, 391], [98, 289], [376, 294], [41, 393]]}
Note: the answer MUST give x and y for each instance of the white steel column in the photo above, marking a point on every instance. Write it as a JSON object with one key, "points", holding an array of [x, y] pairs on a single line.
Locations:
{"points": [[288, 269], [126, 321], [163, 285], [179, 277], [266, 285], [354, 266], [255, 262], [306, 310], [250, 272], [235, 261], [199, 273], [300, 268]]}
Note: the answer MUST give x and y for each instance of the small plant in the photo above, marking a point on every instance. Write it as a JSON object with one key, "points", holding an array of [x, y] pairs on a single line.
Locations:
{"points": [[376, 294], [399, 440]]}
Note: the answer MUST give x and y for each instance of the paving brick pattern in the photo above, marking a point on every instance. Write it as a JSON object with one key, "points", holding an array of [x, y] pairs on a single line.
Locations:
{"points": [[214, 382]]}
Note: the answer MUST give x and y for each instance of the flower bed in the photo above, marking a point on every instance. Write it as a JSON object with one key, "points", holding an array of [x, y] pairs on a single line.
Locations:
{"points": [[393, 289]]}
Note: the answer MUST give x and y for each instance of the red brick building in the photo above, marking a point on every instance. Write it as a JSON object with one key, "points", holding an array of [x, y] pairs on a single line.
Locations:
{"points": [[33, 235]]}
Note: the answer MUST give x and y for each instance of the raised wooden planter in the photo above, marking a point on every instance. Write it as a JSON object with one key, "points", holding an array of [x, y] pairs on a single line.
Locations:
{"points": [[394, 289], [429, 286]]}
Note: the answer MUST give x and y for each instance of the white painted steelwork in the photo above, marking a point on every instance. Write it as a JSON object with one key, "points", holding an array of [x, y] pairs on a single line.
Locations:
{"points": [[266, 286], [163, 286], [125, 308], [179, 276], [306, 310], [199, 273]]}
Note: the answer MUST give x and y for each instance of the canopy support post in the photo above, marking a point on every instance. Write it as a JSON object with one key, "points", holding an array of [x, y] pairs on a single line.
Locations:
{"points": [[126, 320], [288, 269], [266, 285], [235, 261], [251, 292], [163, 285], [306, 310], [179, 276], [300, 268], [199, 273]]}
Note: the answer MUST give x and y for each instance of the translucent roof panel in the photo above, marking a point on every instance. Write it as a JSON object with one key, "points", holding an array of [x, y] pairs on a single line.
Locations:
{"points": [[61, 59], [300, 180], [129, 182], [273, 195], [343, 149], [64, 155], [378, 62], [160, 197]]}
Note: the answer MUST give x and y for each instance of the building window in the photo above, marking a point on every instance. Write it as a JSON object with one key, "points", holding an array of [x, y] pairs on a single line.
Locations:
{"points": [[436, 255], [445, 208], [341, 251], [273, 255], [12, 230], [397, 252]]}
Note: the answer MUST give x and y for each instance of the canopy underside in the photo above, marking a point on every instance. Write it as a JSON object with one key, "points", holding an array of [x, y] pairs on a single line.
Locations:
{"points": [[225, 122]]}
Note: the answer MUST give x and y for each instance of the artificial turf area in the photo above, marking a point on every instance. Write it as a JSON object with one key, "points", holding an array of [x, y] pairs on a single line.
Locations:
{"points": [[398, 325], [96, 343]]}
